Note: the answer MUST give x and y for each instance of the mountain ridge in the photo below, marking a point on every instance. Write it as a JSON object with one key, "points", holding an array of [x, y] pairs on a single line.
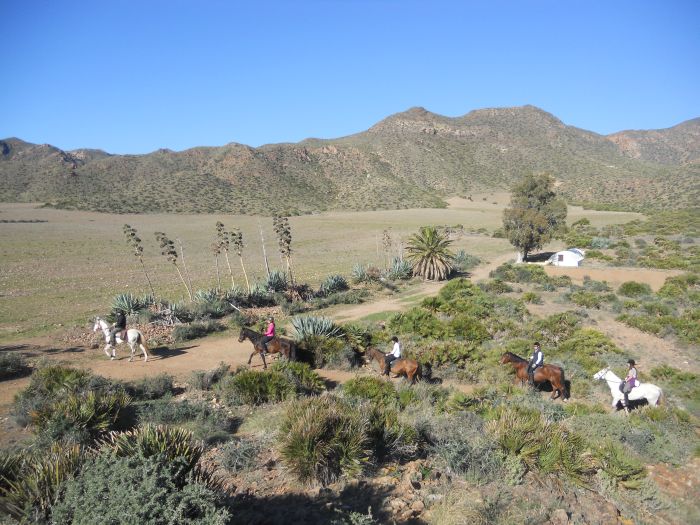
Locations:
{"points": [[414, 158]]}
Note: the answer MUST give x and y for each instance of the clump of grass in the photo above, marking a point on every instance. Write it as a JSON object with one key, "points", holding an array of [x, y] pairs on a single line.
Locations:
{"points": [[634, 289], [532, 297], [324, 438], [306, 381], [250, 387], [153, 387], [206, 379], [196, 330], [372, 389], [239, 454], [13, 365]]}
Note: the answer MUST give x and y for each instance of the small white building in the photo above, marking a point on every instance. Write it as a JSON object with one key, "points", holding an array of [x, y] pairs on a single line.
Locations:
{"points": [[570, 257]]}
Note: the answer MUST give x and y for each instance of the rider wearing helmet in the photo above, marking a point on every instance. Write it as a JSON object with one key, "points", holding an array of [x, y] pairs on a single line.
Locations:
{"points": [[629, 383], [117, 327], [269, 333]]}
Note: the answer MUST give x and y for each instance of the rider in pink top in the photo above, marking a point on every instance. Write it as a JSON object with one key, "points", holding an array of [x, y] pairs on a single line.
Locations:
{"points": [[269, 333]]}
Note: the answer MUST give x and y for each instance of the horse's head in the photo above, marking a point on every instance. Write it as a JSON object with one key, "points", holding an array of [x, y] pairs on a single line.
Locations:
{"points": [[601, 373], [98, 324], [242, 335], [505, 358]]}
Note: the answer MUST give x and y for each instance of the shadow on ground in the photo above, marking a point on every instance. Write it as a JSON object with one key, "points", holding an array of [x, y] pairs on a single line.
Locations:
{"points": [[323, 509]]}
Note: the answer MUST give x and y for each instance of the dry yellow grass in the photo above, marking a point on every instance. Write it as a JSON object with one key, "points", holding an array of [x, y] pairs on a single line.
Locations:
{"points": [[62, 271]]}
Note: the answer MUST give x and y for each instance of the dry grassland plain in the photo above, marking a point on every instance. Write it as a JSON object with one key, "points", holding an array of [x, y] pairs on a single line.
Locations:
{"points": [[60, 272]]}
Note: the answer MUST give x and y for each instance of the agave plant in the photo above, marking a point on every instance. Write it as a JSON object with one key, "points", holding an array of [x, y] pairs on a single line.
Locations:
{"points": [[207, 296], [428, 251], [276, 281], [358, 336], [128, 303], [333, 284], [400, 269], [359, 273], [311, 326], [465, 261]]}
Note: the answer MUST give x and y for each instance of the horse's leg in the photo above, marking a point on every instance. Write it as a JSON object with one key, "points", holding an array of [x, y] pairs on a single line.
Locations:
{"points": [[133, 351], [106, 350], [264, 362], [255, 351]]}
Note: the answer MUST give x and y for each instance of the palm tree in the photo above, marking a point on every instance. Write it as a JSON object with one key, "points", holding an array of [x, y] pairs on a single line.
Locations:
{"points": [[428, 251]]}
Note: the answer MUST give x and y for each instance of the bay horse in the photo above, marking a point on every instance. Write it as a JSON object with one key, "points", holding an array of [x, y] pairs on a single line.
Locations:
{"points": [[399, 367], [645, 391], [278, 345], [552, 373], [132, 337]]}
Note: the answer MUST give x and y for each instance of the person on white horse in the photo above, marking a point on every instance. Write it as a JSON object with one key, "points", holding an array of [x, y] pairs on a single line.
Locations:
{"points": [[117, 327], [641, 391], [629, 383]]}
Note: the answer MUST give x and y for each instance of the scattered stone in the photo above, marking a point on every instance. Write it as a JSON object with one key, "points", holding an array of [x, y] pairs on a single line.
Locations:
{"points": [[559, 517], [418, 506]]}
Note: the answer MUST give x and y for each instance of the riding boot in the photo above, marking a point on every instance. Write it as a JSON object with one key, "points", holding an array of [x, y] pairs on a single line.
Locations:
{"points": [[531, 379]]}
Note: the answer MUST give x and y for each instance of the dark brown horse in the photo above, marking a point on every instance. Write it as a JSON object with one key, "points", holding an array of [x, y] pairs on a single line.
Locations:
{"points": [[278, 345], [552, 373], [403, 366]]}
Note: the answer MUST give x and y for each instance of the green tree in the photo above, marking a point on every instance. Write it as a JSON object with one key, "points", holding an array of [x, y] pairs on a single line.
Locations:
{"points": [[535, 213], [429, 253], [134, 242]]}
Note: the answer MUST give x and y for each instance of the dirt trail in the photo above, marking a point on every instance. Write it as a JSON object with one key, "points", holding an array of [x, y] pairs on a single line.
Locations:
{"points": [[425, 289]]}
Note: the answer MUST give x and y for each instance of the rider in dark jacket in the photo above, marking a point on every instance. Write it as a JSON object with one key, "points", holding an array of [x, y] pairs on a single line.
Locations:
{"points": [[536, 361], [118, 326]]}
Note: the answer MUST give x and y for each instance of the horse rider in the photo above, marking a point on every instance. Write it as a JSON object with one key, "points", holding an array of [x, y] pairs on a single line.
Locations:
{"points": [[629, 383], [269, 334], [117, 327], [536, 361], [392, 356]]}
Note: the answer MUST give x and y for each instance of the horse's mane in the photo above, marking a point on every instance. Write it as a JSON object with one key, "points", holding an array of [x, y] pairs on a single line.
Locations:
{"points": [[516, 357]]}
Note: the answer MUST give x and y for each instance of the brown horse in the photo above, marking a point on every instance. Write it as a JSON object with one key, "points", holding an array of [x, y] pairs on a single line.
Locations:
{"points": [[403, 366], [284, 347], [552, 373]]}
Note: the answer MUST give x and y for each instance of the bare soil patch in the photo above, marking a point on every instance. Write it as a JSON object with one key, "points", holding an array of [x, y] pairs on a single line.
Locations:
{"points": [[615, 276]]}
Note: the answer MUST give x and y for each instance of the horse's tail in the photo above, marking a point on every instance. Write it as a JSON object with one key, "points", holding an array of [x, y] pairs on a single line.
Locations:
{"points": [[292, 351], [565, 390], [142, 341], [661, 401]]}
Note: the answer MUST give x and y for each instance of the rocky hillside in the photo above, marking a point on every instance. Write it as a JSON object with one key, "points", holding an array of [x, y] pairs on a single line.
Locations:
{"points": [[410, 159]]}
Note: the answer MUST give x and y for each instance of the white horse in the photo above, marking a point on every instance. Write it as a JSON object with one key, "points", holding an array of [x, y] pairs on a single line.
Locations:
{"points": [[133, 338], [651, 393]]}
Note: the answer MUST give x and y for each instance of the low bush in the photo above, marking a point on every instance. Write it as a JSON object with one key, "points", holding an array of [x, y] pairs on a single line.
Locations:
{"points": [[206, 379], [464, 261], [348, 297], [619, 466], [196, 330], [634, 289], [324, 438], [588, 347], [586, 299], [319, 351], [205, 421], [153, 387], [250, 387], [372, 389], [13, 365], [141, 489], [495, 286], [460, 444], [532, 297], [239, 454], [553, 329], [418, 321], [306, 381]]}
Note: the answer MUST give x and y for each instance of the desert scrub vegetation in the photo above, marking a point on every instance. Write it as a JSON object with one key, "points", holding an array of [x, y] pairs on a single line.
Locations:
{"points": [[207, 379], [251, 387], [206, 422], [372, 389], [63, 403], [13, 365], [322, 439], [196, 330]]}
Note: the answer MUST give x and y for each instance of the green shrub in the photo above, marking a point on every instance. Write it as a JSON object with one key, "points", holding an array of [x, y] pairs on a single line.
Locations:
{"points": [[464, 261], [586, 299], [587, 347], [239, 455], [321, 351], [250, 387], [634, 289], [532, 297], [460, 444], [306, 381], [13, 365], [495, 286], [205, 421], [196, 330], [619, 466], [348, 297], [442, 353], [206, 379], [324, 438], [418, 322], [332, 284], [553, 329], [140, 489], [400, 269], [373, 389], [467, 328], [153, 387], [390, 438], [30, 484]]}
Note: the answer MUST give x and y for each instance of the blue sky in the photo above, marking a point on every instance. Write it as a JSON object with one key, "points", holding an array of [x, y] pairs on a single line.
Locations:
{"points": [[134, 76]]}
